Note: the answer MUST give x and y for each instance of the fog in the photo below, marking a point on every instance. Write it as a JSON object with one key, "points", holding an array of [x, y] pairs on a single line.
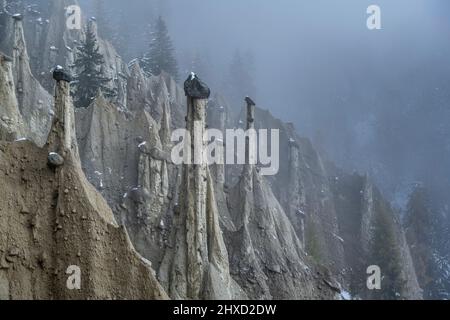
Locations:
{"points": [[374, 101]]}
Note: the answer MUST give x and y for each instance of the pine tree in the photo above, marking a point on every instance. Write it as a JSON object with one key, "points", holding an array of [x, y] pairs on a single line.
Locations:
{"points": [[89, 79], [386, 254], [161, 55], [427, 235]]}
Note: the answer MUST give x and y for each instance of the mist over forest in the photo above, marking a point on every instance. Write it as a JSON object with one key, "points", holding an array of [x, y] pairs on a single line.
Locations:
{"points": [[375, 101]]}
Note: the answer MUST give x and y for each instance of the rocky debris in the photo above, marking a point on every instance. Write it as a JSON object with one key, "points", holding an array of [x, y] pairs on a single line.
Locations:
{"points": [[55, 160]]}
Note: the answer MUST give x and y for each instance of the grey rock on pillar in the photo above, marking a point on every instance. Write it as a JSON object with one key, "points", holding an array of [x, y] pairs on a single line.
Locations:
{"points": [[250, 139], [195, 88], [198, 265], [62, 138]]}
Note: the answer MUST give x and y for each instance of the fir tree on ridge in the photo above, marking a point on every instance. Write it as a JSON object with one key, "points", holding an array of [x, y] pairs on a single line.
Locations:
{"points": [[89, 79], [386, 253], [161, 54]]}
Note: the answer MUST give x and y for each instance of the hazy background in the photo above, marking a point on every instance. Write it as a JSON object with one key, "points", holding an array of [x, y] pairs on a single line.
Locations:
{"points": [[373, 101]]}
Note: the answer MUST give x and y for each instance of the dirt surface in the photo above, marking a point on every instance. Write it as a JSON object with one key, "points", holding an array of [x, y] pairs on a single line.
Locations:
{"points": [[52, 219]]}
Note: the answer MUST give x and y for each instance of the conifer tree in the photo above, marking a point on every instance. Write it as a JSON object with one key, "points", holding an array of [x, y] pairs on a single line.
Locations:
{"points": [[89, 79], [387, 255], [161, 55], [427, 234]]}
